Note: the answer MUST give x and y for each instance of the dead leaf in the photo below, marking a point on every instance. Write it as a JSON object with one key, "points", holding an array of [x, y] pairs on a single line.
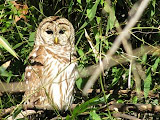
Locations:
{"points": [[22, 9]]}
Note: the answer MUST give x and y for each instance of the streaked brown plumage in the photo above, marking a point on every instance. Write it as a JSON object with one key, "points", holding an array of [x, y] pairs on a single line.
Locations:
{"points": [[51, 75]]}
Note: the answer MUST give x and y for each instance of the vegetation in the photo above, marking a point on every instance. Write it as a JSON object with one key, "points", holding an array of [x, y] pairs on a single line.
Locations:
{"points": [[101, 20]]}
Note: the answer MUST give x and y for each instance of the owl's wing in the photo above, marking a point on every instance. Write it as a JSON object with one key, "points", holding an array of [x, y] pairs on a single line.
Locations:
{"points": [[34, 74], [37, 59], [38, 55]]}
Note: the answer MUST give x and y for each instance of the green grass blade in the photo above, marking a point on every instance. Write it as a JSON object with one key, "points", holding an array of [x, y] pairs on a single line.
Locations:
{"points": [[147, 83], [92, 12], [6, 45], [94, 115]]}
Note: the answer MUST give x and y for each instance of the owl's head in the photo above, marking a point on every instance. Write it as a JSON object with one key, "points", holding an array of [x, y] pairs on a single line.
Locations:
{"points": [[55, 30]]}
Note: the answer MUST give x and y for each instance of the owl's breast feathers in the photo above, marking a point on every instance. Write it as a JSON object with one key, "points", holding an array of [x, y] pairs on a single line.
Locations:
{"points": [[49, 66], [41, 53]]}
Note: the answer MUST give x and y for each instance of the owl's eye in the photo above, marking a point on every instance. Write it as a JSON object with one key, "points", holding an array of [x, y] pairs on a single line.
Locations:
{"points": [[62, 31], [49, 32]]}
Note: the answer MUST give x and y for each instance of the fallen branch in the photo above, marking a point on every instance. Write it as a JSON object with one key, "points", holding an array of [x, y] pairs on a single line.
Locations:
{"points": [[48, 107], [23, 114], [135, 107], [123, 92], [129, 117], [4, 112], [112, 107]]}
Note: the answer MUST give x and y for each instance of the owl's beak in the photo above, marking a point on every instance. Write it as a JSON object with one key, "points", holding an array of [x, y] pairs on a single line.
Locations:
{"points": [[56, 40]]}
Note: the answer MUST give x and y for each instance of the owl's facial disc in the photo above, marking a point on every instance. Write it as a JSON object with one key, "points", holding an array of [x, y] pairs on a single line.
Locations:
{"points": [[57, 32]]}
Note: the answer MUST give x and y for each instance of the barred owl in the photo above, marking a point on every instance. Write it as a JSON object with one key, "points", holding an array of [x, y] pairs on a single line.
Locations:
{"points": [[51, 74]]}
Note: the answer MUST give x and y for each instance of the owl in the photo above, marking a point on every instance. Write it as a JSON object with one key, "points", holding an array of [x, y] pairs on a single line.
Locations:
{"points": [[51, 73]]}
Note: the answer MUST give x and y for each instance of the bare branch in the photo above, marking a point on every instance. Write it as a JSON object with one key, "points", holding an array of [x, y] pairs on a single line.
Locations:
{"points": [[124, 35], [12, 87], [121, 59]]}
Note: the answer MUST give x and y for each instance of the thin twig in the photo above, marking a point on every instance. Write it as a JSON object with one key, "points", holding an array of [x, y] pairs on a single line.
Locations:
{"points": [[91, 44], [124, 35]]}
